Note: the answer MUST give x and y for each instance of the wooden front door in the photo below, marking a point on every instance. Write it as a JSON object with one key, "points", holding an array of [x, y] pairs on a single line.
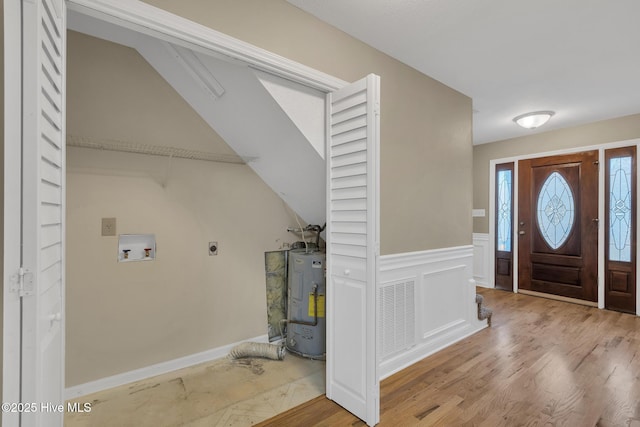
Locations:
{"points": [[558, 225]]}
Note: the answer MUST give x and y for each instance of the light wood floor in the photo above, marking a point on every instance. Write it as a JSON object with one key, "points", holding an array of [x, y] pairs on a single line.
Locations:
{"points": [[542, 363]]}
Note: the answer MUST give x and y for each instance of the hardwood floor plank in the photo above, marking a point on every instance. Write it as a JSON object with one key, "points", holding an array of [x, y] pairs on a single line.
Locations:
{"points": [[543, 362]]}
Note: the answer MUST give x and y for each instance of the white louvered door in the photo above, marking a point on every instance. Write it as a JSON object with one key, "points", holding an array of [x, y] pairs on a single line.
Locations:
{"points": [[43, 178], [352, 247]]}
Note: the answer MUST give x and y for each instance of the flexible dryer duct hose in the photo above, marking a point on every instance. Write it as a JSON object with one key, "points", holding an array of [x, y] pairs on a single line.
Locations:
{"points": [[257, 349]]}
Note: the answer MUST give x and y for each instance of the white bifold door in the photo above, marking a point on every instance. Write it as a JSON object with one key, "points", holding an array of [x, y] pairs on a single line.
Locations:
{"points": [[352, 247], [34, 211]]}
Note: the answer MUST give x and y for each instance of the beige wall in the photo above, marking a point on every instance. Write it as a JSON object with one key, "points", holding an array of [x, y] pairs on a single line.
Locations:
{"points": [[425, 126], [114, 94], [124, 316], [602, 132]]}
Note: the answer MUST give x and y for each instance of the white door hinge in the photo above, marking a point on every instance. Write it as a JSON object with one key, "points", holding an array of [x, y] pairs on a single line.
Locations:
{"points": [[23, 283]]}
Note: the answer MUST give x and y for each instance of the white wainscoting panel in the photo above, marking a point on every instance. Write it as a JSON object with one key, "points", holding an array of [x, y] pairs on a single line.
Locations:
{"points": [[448, 309], [435, 289], [481, 259]]}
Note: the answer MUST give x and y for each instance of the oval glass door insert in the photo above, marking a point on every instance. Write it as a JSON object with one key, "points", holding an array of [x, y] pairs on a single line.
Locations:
{"points": [[556, 210]]}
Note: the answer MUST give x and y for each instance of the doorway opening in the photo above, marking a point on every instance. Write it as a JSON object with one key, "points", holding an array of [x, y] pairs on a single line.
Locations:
{"points": [[352, 166], [185, 203], [552, 194]]}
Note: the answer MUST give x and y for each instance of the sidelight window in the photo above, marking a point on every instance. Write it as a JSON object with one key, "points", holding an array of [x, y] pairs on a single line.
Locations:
{"points": [[504, 226], [620, 231], [620, 174], [505, 184]]}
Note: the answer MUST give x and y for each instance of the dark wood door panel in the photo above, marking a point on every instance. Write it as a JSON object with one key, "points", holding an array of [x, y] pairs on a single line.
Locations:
{"points": [[503, 267], [560, 289], [573, 261], [504, 272], [557, 225], [620, 282], [556, 274]]}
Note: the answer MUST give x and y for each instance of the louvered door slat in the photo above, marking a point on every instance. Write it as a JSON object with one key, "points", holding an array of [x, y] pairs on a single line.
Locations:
{"points": [[44, 29], [352, 233]]}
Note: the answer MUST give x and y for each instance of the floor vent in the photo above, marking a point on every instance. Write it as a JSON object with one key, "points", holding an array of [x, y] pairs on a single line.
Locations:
{"points": [[397, 317]]}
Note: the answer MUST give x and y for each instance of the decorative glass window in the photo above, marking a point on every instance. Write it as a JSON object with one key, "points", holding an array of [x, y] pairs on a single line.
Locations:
{"points": [[620, 209], [556, 210], [504, 210]]}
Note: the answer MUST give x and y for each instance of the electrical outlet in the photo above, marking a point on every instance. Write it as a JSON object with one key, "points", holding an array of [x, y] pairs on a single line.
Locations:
{"points": [[108, 226], [213, 248]]}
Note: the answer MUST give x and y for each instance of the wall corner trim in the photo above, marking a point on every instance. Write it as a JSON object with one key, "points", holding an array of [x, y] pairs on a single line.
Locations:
{"points": [[482, 262]]}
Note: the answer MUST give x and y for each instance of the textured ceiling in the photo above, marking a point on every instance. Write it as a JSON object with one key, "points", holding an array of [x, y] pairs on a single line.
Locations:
{"points": [[580, 58]]}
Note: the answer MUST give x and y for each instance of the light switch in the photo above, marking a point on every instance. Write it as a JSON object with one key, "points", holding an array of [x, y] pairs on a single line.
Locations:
{"points": [[108, 226]]}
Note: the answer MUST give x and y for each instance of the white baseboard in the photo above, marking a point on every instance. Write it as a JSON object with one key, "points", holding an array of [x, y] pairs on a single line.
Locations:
{"points": [[153, 370], [416, 354]]}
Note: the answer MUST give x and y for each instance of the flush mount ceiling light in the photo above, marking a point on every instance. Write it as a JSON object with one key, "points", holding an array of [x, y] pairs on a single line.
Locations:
{"points": [[534, 119]]}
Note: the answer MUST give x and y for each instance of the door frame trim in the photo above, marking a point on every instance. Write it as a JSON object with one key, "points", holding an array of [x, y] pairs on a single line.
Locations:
{"points": [[601, 213], [12, 353], [147, 19]]}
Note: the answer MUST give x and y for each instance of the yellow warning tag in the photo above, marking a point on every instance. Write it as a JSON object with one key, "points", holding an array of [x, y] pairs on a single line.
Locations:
{"points": [[320, 306]]}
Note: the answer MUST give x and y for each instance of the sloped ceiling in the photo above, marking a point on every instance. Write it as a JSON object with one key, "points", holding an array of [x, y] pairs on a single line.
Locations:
{"points": [[257, 115]]}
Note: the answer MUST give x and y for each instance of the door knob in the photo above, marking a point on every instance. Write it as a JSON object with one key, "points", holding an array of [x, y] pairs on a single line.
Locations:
{"points": [[521, 223], [347, 272], [55, 317], [521, 233]]}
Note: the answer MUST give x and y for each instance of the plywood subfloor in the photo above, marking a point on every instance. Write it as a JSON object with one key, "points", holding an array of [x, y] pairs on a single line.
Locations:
{"points": [[220, 393]]}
